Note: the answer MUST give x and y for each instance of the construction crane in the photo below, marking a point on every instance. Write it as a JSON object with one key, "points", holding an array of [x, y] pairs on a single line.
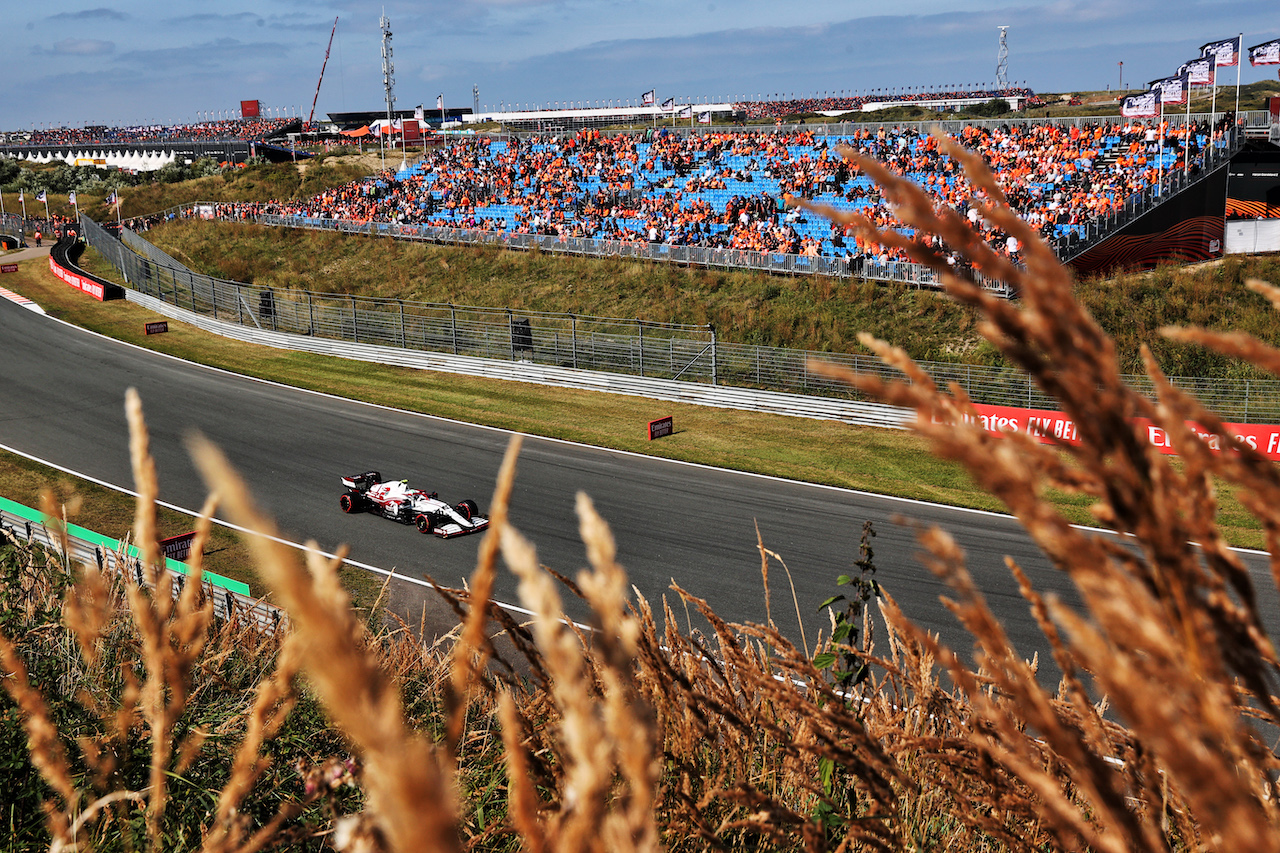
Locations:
{"points": [[322, 67]]}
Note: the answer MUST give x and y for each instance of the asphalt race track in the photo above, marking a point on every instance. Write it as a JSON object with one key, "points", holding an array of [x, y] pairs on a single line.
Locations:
{"points": [[62, 400]]}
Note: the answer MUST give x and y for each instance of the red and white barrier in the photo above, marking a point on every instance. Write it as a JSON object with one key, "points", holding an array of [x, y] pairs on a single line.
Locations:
{"points": [[1051, 427]]}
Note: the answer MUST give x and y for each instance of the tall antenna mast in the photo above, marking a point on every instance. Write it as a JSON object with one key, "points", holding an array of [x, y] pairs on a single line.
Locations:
{"points": [[1002, 61], [388, 76]]}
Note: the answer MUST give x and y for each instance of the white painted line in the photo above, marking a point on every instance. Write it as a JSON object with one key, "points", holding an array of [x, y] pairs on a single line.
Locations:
{"points": [[630, 453], [513, 608]]}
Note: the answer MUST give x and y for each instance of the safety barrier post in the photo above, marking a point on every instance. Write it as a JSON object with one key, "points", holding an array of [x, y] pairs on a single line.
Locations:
{"points": [[574, 325], [453, 327], [713, 355], [355, 325], [400, 302]]}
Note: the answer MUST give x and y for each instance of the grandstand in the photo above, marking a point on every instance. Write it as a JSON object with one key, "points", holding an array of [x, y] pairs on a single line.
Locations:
{"points": [[718, 187], [143, 148], [1074, 181], [577, 116]]}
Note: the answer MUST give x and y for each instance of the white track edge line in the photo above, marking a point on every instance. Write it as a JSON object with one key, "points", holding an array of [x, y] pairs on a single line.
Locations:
{"points": [[632, 453], [391, 573]]}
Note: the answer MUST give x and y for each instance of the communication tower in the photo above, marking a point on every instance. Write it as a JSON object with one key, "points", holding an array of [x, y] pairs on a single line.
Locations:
{"points": [[1002, 61]]}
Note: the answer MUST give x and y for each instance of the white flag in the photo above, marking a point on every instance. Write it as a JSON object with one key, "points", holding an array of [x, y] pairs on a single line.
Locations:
{"points": [[71, 197], [439, 102]]}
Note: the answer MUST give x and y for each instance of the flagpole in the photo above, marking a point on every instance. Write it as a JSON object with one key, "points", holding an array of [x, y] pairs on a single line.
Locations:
{"points": [[22, 198], [1213, 108], [1239, 62], [46, 206], [1186, 131], [1160, 156]]}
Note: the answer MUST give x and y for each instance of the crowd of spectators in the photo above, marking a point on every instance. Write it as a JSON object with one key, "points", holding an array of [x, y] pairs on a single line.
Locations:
{"points": [[249, 129], [727, 190], [854, 103]]}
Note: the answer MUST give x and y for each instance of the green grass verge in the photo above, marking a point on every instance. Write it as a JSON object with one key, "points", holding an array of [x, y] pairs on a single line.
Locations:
{"points": [[888, 462], [803, 312]]}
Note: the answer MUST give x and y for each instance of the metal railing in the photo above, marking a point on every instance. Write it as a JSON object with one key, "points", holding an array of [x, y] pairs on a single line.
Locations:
{"points": [[14, 226], [903, 272], [89, 548], [1141, 203], [660, 350], [691, 354]]}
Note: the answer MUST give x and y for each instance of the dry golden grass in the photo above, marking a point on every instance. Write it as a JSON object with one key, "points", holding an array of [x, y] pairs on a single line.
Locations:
{"points": [[636, 734]]}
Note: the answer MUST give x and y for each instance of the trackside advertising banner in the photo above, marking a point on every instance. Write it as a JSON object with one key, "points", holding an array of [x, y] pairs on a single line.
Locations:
{"points": [[1050, 426], [78, 282]]}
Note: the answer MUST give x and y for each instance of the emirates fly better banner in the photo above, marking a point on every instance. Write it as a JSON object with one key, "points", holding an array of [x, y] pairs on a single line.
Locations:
{"points": [[1050, 427]]}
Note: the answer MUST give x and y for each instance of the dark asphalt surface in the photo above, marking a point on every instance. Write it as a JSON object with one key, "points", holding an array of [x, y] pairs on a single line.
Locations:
{"points": [[62, 400]]}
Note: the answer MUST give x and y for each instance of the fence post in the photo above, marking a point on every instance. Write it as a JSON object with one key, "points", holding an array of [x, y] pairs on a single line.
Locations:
{"points": [[400, 302], [574, 325], [213, 297], [239, 305], [311, 315], [713, 353], [511, 338], [453, 327], [640, 335]]}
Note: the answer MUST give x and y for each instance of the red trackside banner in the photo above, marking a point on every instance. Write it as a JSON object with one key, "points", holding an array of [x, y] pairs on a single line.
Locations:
{"points": [[79, 282], [1049, 426]]}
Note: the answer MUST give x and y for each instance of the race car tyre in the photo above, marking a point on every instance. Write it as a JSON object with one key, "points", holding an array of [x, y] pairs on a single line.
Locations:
{"points": [[468, 509], [350, 502], [424, 523]]}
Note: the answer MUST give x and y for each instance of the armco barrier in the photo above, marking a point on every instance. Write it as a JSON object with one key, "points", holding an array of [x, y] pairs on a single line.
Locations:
{"points": [[612, 346], [229, 597], [696, 393]]}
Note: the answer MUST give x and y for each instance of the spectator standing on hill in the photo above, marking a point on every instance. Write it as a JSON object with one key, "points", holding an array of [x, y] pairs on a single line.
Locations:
{"points": [[38, 236]]}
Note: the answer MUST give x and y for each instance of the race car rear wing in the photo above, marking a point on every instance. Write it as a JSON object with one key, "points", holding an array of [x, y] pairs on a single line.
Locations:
{"points": [[362, 481]]}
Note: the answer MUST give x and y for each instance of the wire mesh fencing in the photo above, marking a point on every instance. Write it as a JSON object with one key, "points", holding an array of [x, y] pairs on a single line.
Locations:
{"points": [[691, 353]]}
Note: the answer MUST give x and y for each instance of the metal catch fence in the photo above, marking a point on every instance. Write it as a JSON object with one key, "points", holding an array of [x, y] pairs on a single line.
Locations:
{"points": [[632, 347]]}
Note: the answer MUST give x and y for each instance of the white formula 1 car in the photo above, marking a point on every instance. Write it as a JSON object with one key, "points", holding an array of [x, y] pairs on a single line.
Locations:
{"points": [[396, 501]]}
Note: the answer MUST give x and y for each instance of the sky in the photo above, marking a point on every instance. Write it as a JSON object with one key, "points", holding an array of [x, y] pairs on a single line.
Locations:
{"points": [[149, 62]]}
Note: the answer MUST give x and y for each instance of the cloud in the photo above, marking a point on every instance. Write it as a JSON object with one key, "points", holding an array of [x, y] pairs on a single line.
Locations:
{"points": [[204, 19], [91, 15], [83, 47], [211, 58]]}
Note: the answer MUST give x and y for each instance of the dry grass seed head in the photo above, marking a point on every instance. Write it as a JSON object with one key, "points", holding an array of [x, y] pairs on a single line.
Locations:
{"points": [[471, 651], [406, 785]]}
